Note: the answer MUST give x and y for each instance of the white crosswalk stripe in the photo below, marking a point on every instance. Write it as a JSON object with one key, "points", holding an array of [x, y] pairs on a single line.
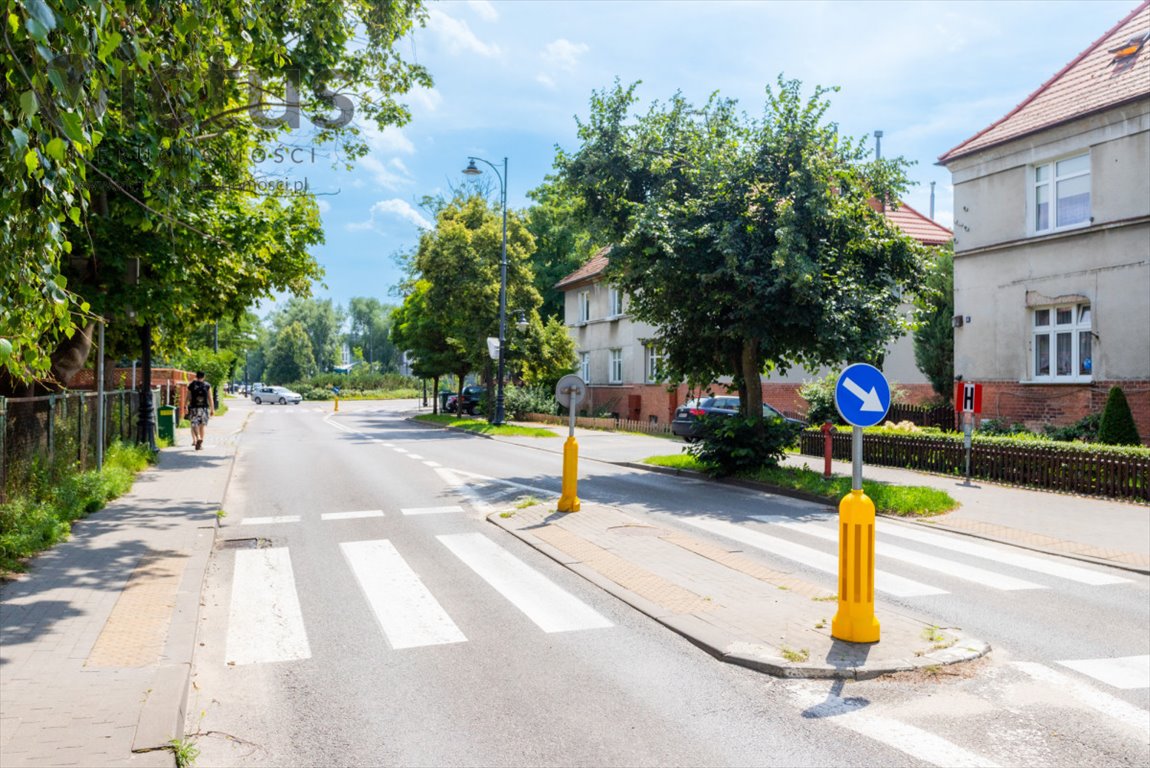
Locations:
{"points": [[1112, 707], [367, 513], [943, 565], [265, 623], [432, 510], [1126, 672], [408, 613], [884, 581], [272, 520], [552, 608]]}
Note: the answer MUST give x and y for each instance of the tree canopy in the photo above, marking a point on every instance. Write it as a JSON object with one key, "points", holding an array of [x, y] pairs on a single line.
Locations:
{"points": [[750, 244], [129, 130], [934, 336]]}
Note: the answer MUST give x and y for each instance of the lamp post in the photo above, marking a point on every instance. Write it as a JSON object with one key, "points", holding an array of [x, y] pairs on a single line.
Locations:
{"points": [[471, 170]]}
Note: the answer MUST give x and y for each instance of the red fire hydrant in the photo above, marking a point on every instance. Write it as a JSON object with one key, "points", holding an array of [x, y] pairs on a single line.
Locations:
{"points": [[827, 429]]}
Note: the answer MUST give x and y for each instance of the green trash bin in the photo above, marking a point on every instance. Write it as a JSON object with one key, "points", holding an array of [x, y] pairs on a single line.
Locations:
{"points": [[166, 423]]}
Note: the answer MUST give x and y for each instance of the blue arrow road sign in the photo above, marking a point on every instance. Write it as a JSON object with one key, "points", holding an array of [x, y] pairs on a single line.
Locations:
{"points": [[862, 395]]}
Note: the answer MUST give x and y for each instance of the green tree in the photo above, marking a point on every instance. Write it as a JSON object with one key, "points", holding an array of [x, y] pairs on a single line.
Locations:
{"points": [[542, 353], [460, 262], [934, 336], [321, 319], [370, 326], [128, 130], [562, 241], [416, 329], [1117, 426], [290, 358], [750, 244]]}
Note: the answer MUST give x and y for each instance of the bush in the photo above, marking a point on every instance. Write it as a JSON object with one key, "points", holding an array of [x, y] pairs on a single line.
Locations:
{"points": [[732, 445], [1117, 426], [997, 428], [820, 397], [359, 381], [1085, 430], [518, 401]]}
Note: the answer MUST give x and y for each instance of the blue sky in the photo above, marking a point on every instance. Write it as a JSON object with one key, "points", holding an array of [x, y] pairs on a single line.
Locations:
{"points": [[510, 78]]}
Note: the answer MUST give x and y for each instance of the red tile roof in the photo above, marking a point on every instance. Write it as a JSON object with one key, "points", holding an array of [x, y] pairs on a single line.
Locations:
{"points": [[912, 223], [907, 219], [1092, 82], [586, 273]]}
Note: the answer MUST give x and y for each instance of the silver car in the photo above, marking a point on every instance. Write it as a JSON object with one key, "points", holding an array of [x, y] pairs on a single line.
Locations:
{"points": [[281, 395]]}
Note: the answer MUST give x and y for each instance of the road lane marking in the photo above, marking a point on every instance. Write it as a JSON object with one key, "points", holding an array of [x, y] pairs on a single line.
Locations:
{"points": [[431, 510], [853, 715], [432, 463], [351, 515], [1005, 556], [415, 456], [552, 608], [884, 582], [408, 613], [1126, 673], [1109, 706], [942, 565], [265, 623], [398, 450], [273, 520]]}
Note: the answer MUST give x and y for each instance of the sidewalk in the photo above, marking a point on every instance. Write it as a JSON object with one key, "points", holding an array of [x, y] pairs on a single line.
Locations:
{"points": [[96, 638]]}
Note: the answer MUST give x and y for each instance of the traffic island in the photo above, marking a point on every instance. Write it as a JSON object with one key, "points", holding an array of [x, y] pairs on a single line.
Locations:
{"points": [[729, 602]]}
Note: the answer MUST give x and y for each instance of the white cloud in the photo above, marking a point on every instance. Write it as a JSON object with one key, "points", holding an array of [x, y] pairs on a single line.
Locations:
{"points": [[564, 54], [483, 9], [457, 35], [427, 98], [323, 205], [390, 175], [393, 208], [546, 80], [390, 140]]}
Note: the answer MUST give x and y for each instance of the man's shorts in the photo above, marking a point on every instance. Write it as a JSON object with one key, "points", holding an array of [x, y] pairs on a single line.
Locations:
{"points": [[198, 416]]}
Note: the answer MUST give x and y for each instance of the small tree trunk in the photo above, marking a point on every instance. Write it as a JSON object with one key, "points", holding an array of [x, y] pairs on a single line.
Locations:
{"points": [[751, 393], [435, 394]]}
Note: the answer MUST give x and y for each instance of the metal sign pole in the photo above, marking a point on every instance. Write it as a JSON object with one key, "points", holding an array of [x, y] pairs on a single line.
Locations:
{"points": [[856, 458]]}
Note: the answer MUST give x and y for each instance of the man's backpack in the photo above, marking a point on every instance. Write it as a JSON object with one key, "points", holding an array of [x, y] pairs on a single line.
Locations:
{"points": [[198, 393]]}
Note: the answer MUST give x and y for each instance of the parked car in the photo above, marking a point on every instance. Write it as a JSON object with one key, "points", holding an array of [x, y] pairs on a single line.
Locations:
{"points": [[280, 395], [686, 423], [472, 400]]}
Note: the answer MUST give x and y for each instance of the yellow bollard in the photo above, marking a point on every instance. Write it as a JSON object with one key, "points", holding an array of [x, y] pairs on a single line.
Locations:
{"points": [[569, 501], [336, 404], [855, 621]]}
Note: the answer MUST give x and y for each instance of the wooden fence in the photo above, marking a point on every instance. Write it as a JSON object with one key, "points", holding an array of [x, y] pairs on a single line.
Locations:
{"points": [[621, 425], [941, 416], [1039, 466]]}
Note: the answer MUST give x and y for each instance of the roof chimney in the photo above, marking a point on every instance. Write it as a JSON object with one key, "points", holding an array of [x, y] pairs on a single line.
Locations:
{"points": [[932, 201], [878, 145]]}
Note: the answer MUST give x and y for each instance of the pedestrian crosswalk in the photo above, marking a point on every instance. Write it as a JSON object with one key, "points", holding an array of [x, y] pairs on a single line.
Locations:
{"points": [[266, 623]]}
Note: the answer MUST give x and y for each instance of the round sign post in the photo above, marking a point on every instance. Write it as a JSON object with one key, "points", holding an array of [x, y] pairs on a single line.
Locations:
{"points": [[862, 397], [570, 391]]}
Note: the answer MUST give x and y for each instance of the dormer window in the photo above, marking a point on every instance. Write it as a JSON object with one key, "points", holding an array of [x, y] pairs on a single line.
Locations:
{"points": [[1061, 196]]}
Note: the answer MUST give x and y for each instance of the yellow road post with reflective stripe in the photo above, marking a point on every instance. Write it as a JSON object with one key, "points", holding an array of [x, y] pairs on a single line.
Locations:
{"points": [[855, 620]]}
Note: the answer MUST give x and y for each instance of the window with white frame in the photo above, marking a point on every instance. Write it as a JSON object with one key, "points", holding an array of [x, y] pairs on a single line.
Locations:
{"points": [[584, 306], [585, 366], [614, 301], [654, 363], [1062, 343], [1061, 196], [615, 367]]}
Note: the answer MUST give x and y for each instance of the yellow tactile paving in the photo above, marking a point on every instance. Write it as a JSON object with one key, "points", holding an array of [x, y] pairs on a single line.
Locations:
{"points": [[744, 564], [137, 629], [642, 582]]}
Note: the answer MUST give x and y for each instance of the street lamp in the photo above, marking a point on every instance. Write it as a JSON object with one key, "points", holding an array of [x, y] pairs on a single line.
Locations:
{"points": [[471, 170]]}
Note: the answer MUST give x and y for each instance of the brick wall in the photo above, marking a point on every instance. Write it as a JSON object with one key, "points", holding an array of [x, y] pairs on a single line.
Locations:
{"points": [[1037, 405]]}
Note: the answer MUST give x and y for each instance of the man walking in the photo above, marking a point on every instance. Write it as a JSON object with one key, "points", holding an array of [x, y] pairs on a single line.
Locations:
{"points": [[200, 407]]}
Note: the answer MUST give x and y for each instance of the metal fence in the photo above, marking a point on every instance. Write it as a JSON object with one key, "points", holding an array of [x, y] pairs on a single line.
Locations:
{"points": [[1092, 472], [43, 437]]}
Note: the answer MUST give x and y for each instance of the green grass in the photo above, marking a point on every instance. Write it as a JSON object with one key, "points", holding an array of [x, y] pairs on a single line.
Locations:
{"points": [[40, 515], [902, 500], [482, 427]]}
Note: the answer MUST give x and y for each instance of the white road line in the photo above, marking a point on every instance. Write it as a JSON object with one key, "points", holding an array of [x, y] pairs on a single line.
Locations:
{"points": [[408, 613], [431, 510], [1126, 673], [552, 608], [351, 515], [274, 520], [1110, 706], [1004, 555], [398, 450], [415, 456], [432, 463], [909, 739], [883, 581], [942, 565], [264, 620]]}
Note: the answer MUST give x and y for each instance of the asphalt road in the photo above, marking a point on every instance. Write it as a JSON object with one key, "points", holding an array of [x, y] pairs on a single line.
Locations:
{"points": [[326, 511]]}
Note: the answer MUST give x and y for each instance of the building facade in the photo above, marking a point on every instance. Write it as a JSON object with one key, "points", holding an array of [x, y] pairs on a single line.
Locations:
{"points": [[1052, 241]]}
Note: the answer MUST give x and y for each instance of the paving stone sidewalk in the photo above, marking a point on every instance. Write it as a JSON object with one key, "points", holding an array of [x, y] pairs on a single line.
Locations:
{"points": [[96, 638]]}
